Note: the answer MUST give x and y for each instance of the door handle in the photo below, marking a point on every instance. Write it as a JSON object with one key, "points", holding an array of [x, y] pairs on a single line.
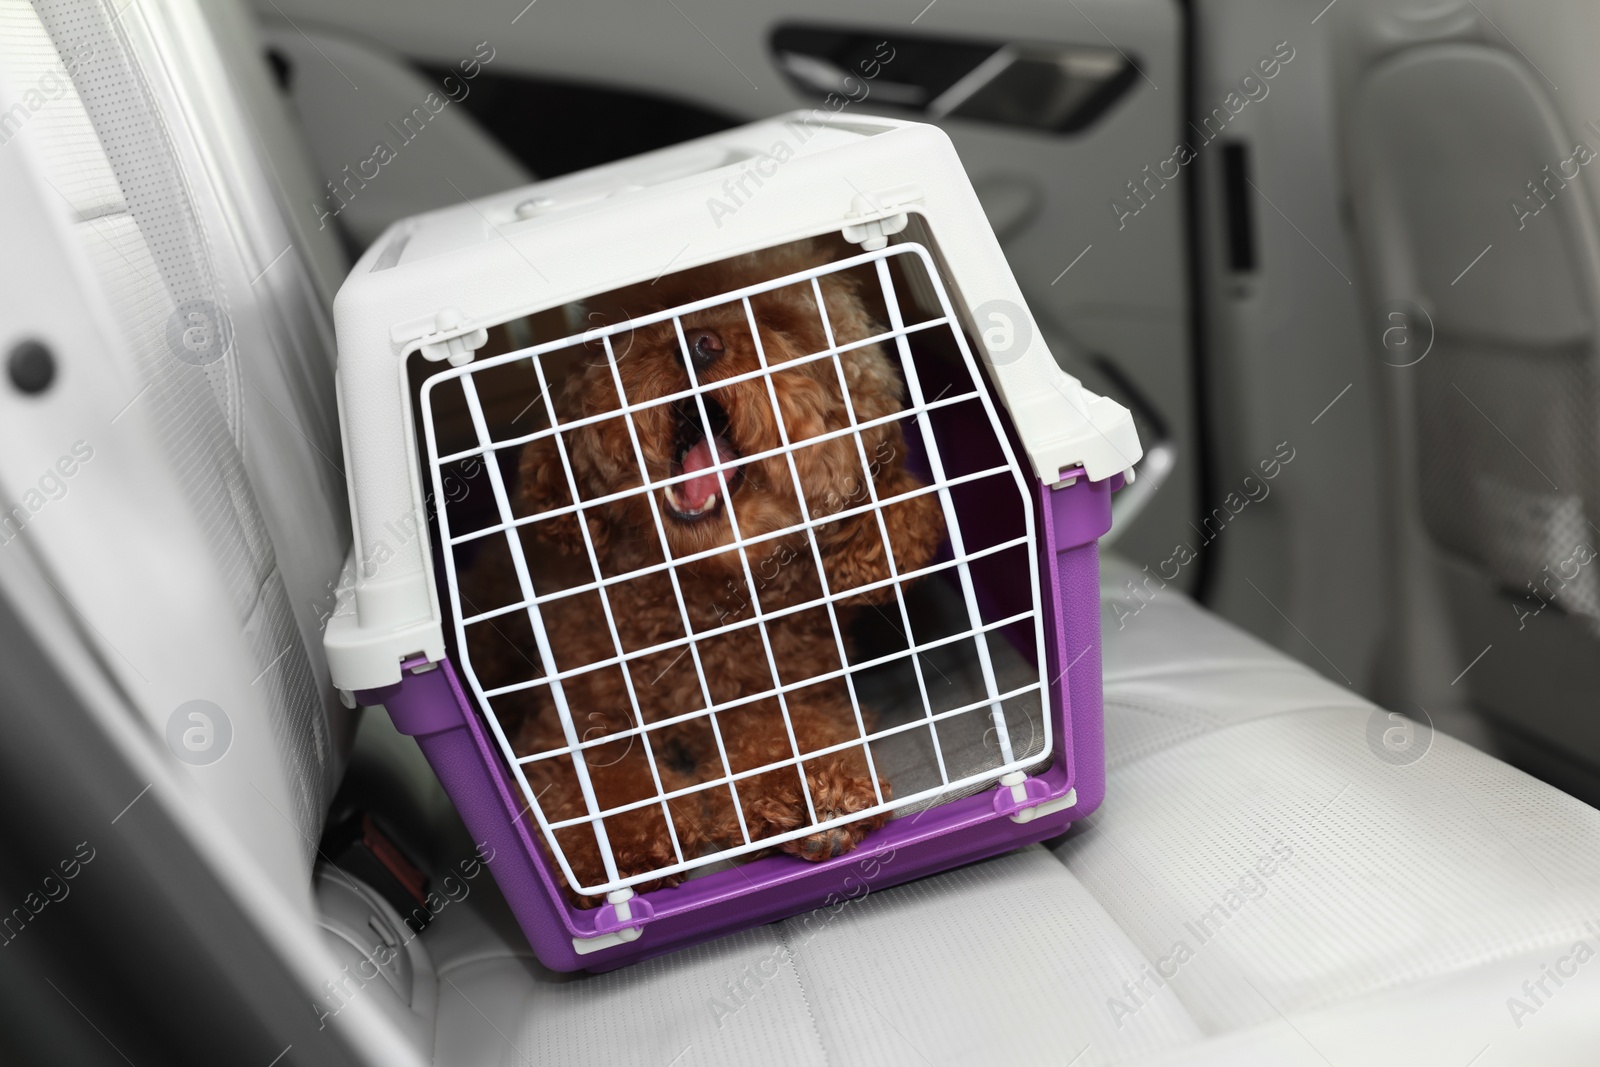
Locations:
{"points": [[1053, 88]]}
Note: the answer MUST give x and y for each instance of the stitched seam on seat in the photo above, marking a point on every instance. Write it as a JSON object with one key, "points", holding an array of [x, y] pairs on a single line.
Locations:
{"points": [[1277, 665], [1236, 725], [1555, 944], [1093, 827], [800, 983], [1185, 726], [1174, 710]]}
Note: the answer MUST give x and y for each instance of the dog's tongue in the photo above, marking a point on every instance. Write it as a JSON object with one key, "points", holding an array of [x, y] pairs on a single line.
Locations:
{"points": [[696, 492]]}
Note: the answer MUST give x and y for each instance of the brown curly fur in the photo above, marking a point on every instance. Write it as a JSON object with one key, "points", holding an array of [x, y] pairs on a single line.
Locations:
{"points": [[715, 592]]}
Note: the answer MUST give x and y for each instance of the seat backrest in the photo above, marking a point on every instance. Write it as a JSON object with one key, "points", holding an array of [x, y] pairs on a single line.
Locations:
{"points": [[1474, 179], [178, 482]]}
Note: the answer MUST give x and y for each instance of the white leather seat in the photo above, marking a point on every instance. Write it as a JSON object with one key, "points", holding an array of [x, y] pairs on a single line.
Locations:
{"points": [[1438, 878], [1330, 903], [186, 308]]}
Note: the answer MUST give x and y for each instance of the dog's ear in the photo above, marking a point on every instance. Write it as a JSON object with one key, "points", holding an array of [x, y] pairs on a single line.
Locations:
{"points": [[853, 551]]}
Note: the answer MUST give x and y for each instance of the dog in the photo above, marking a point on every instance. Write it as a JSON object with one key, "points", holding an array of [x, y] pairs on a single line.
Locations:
{"points": [[686, 531]]}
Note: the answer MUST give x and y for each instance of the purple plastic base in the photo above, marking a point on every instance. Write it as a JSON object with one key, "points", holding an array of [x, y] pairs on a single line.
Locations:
{"points": [[432, 707]]}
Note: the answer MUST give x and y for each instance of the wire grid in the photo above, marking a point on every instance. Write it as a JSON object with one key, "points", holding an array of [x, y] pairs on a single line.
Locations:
{"points": [[895, 339]]}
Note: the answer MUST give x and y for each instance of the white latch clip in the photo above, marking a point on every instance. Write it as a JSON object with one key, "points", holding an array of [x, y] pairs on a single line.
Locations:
{"points": [[1025, 799], [874, 218], [448, 339]]}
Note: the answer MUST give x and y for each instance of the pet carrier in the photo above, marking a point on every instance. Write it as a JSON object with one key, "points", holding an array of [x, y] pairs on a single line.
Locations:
{"points": [[725, 533]]}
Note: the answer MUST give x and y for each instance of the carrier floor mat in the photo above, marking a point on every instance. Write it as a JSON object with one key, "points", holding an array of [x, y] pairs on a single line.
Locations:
{"points": [[952, 674]]}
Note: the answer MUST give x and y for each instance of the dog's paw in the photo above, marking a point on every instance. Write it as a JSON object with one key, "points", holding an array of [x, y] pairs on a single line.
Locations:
{"points": [[651, 855], [833, 794]]}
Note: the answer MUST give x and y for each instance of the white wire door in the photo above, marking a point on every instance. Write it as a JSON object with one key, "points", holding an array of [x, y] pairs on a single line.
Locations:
{"points": [[1002, 698]]}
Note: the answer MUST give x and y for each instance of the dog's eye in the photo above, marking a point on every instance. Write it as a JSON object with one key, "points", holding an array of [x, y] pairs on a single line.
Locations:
{"points": [[704, 347]]}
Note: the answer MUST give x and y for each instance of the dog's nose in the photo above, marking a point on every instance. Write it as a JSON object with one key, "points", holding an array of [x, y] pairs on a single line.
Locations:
{"points": [[705, 347]]}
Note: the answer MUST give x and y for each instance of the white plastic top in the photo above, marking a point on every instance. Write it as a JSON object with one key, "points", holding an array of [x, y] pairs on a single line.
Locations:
{"points": [[433, 281]]}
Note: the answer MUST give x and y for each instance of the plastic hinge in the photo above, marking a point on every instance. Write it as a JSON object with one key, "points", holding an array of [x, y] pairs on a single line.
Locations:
{"points": [[1025, 799], [443, 336], [619, 923], [874, 218]]}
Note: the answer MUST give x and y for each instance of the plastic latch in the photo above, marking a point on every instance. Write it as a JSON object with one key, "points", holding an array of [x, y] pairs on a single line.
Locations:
{"points": [[1067, 477], [620, 922], [1025, 799], [445, 338], [875, 217]]}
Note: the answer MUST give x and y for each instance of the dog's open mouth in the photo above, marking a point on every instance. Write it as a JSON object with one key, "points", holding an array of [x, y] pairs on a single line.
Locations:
{"points": [[694, 453]]}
